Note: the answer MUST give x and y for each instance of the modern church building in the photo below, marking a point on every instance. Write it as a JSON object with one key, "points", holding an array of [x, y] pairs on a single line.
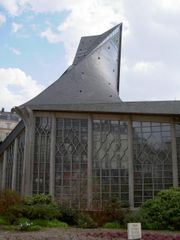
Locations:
{"points": [[79, 142]]}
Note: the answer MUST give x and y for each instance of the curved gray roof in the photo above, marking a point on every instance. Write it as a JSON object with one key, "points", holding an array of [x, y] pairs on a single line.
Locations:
{"points": [[92, 78], [91, 83]]}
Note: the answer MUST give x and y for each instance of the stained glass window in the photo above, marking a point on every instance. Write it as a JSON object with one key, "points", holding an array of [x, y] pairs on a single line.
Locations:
{"points": [[110, 162], [41, 155], [178, 149], [20, 159], [152, 159], [71, 162], [9, 166]]}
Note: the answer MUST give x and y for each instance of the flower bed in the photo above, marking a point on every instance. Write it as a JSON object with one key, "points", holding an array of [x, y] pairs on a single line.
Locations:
{"points": [[83, 234]]}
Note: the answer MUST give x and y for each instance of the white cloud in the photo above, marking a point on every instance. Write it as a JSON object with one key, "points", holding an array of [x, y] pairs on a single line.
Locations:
{"points": [[150, 81], [17, 87], [170, 5], [86, 17], [14, 7], [16, 27], [15, 51], [51, 36], [144, 67], [2, 19], [151, 38]]}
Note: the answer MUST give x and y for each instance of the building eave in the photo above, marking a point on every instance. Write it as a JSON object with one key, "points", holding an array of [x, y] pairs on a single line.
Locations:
{"points": [[145, 107]]}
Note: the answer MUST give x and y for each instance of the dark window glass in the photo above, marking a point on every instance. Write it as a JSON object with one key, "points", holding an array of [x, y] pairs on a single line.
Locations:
{"points": [[71, 162], [152, 159], [110, 165]]}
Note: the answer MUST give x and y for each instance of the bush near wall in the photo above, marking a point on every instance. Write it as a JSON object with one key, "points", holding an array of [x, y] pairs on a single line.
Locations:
{"points": [[84, 220], [42, 207], [8, 198], [76, 218], [100, 217], [68, 215], [160, 213], [115, 212], [38, 199], [39, 206]]}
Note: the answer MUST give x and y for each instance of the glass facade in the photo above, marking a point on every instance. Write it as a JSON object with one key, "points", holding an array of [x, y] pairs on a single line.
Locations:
{"points": [[110, 162], [178, 149], [87, 147], [105, 156], [1, 172], [71, 162], [41, 155], [152, 159], [20, 159], [9, 166]]}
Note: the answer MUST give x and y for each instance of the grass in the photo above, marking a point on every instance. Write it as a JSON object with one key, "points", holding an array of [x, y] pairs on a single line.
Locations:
{"points": [[37, 224], [3, 221], [48, 223]]}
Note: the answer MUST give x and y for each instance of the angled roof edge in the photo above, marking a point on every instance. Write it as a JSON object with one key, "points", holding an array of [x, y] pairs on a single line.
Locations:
{"points": [[13, 134], [145, 107]]}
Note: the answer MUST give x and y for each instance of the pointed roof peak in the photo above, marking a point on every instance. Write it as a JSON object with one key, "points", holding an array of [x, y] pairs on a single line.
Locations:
{"points": [[92, 78], [89, 43]]}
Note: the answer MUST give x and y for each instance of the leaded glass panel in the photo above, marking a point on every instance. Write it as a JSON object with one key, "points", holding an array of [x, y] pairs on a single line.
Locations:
{"points": [[152, 159], [9, 166], [20, 160], [110, 162], [178, 149], [71, 162], [41, 155], [1, 171]]}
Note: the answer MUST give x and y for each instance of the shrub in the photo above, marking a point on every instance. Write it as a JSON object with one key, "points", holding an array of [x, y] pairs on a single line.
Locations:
{"points": [[100, 217], [133, 216], [85, 221], [114, 211], [111, 225], [27, 225], [139, 215], [7, 199], [24, 224], [37, 207], [37, 211], [38, 199], [68, 215], [162, 212], [40, 206], [14, 213], [41, 211]]}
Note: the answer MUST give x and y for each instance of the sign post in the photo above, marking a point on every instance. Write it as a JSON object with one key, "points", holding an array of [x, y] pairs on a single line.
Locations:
{"points": [[134, 231]]}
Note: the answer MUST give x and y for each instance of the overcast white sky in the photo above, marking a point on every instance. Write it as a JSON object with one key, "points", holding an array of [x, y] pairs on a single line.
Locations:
{"points": [[38, 40]]}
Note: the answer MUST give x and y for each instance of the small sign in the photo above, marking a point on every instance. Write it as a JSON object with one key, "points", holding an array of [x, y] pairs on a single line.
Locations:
{"points": [[134, 231]]}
